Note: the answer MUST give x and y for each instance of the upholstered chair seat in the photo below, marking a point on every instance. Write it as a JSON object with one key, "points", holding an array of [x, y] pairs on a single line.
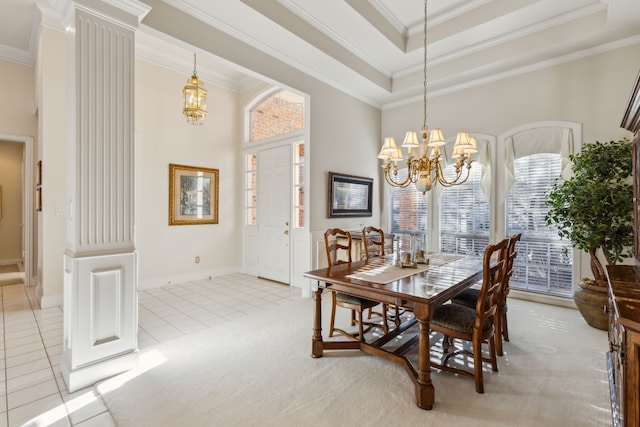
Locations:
{"points": [[350, 299], [457, 318]]}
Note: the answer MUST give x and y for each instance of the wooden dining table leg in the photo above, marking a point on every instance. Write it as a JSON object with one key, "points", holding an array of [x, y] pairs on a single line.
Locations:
{"points": [[425, 393], [316, 342]]}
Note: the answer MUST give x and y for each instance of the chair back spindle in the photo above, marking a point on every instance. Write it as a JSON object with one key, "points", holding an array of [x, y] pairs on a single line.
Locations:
{"points": [[337, 244], [373, 242]]}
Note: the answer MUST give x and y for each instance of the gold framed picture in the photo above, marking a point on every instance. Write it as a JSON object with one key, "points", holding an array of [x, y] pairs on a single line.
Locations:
{"points": [[193, 195]]}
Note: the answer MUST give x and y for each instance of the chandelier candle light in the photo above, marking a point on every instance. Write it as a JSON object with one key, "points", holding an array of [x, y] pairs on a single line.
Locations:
{"points": [[195, 98], [424, 168]]}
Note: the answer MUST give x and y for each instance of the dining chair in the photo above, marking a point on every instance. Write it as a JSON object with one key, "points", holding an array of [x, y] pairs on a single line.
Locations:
{"points": [[374, 246], [338, 246], [475, 325], [373, 242], [469, 297]]}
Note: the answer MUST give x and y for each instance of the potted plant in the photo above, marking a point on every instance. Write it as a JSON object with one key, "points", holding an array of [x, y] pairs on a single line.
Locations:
{"points": [[594, 210]]}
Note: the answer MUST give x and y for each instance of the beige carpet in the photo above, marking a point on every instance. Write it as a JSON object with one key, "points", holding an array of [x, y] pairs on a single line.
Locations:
{"points": [[259, 372], [11, 275]]}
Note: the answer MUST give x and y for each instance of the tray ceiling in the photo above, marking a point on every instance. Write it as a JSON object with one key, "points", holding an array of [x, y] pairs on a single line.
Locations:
{"points": [[371, 49]]}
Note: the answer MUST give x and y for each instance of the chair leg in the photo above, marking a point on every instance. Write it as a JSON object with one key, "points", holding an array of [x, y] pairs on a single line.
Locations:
{"points": [[477, 363], [492, 353], [385, 320], [360, 326], [353, 317], [503, 324], [385, 325], [333, 313], [396, 316], [498, 332], [446, 343]]}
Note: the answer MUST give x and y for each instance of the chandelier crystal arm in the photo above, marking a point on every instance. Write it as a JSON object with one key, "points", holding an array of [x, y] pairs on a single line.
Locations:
{"points": [[462, 167], [392, 176]]}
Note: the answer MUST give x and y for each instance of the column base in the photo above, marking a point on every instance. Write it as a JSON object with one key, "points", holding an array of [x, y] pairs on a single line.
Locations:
{"points": [[85, 376]]}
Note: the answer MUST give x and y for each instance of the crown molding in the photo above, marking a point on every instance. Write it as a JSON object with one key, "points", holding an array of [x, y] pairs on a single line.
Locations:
{"points": [[574, 56]]}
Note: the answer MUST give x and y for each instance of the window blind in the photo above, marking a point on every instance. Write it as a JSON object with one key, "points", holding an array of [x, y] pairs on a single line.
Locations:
{"points": [[464, 215], [544, 260], [408, 213]]}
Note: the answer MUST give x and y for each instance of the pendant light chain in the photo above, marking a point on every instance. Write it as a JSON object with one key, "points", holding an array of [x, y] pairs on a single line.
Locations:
{"points": [[424, 123]]}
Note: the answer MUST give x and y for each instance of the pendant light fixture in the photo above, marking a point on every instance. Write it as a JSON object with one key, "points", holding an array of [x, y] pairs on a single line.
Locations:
{"points": [[424, 168], [195, 98]]}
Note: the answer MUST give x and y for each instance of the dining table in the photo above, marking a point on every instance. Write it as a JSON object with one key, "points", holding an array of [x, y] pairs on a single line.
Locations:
{"points": [[419, 288]]}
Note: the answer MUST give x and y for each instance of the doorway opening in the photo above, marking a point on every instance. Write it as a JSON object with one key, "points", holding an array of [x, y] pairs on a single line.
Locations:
{"points": [[27, 221]]}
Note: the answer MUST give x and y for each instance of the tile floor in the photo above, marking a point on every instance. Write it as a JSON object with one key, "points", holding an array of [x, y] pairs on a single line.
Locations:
{"points": [[32, 392]]}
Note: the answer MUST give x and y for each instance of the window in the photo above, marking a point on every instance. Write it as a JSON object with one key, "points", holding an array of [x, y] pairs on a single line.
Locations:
{"points": [[544, 261], [273, 118], [464, 215], [408, 213], [298, 185], [250, 170], [280, 113], [517, 170]]}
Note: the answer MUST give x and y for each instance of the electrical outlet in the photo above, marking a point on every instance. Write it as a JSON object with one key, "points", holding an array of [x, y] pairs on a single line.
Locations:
{"points": [[197, 259]]}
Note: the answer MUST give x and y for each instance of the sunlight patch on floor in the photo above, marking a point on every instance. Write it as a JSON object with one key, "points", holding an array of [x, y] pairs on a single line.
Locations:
{"points": [[147, 361]]}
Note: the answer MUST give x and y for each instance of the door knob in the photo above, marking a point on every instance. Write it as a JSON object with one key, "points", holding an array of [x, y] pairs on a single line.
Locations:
{"points": [[286, 231]]}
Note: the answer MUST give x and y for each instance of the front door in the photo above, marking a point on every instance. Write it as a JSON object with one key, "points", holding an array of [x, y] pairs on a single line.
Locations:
{"points": [[274, 210]]}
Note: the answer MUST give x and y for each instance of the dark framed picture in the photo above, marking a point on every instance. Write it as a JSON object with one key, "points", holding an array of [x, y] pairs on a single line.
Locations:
{"points": [[349, 196], [193, 195], [39, 199], [39, 173]]}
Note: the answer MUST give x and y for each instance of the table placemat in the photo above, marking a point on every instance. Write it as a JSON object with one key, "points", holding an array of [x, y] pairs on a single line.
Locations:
{"points": [[381, 271]]}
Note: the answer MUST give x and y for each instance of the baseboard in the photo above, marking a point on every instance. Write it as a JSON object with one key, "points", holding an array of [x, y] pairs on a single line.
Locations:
{"points": [[184, 278], [541, 298], [48, 301]]}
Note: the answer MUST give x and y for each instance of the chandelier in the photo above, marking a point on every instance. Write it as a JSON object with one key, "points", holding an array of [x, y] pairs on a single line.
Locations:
{"points": [[424, 159], [195, 98]]}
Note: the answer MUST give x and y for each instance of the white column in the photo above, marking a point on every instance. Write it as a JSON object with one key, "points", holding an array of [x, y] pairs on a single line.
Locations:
{"points": [[100, 263]]}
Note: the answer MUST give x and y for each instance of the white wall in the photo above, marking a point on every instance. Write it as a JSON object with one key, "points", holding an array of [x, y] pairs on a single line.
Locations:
{"points": [[51, 95], [344, 132], [593, 91], [167, 253], [17, 109]]}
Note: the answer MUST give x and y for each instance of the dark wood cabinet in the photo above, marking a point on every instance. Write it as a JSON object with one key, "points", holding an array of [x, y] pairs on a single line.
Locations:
{"points": [[623, 357]]}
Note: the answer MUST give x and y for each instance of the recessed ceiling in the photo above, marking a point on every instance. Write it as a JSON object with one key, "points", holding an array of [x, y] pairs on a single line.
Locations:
{"points": [[372, 49]]}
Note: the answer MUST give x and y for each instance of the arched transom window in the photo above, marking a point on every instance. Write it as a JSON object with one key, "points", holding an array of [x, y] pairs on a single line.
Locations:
{"points": [[280, 113]]}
